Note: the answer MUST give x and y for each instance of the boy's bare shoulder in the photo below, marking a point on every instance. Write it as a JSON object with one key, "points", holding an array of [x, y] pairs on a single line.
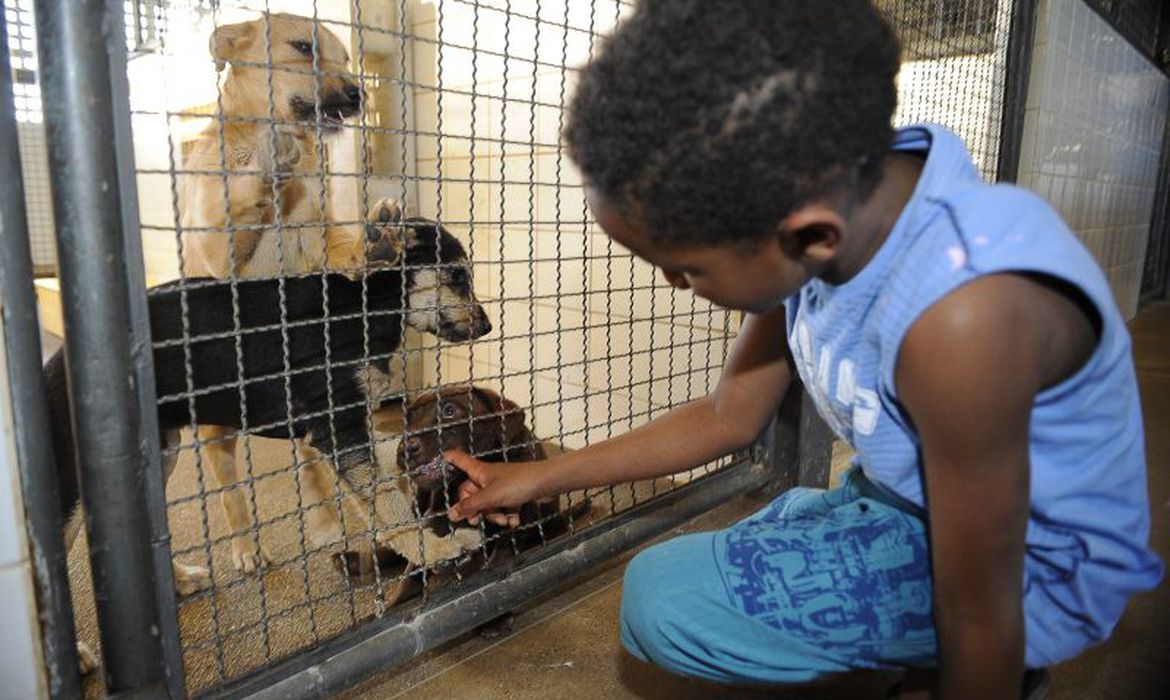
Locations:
{"points": [[1037, 331]]}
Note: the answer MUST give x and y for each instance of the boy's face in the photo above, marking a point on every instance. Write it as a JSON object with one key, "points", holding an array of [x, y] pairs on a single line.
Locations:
{"points": [[743, 279]]}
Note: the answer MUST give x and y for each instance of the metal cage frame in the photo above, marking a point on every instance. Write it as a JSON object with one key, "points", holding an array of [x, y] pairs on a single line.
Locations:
{"points": [[103, 286]]}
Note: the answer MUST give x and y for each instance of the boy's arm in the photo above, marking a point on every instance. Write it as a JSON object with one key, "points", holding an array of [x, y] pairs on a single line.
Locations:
{"points": [[968, 374], [754, 379]]}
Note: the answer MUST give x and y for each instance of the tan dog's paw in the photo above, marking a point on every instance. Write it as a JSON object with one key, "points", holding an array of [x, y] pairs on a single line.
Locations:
{"points": [[87, 661], [386, 237], [191, 579], [247, 555]]}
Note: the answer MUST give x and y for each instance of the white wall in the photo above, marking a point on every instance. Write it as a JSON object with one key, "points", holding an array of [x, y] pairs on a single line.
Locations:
{"points": [[575, 316], [1093, 136], [21, 664]]}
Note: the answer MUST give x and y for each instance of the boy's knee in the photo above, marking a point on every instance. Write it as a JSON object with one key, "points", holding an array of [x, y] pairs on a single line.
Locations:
{"points": [[654, 599], [643, 613]]}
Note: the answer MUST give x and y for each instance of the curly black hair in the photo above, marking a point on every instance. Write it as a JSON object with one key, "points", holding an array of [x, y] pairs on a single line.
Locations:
{"points": [[709, 121]]}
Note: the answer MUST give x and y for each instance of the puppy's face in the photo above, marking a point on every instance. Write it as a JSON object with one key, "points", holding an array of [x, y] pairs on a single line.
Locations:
{"points": [[469, 418], [280, 54]]}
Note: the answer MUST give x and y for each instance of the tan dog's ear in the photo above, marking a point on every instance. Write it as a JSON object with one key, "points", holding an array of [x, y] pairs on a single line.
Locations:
{"points": [[228, 41]]}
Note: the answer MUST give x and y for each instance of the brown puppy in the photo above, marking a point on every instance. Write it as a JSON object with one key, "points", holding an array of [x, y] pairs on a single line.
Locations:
{"points": [[253, 199], [487, 425]]}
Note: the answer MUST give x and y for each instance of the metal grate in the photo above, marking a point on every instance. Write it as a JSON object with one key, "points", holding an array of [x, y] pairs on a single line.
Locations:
{"points": [[954, 69], [22, 48], [460, 124]]}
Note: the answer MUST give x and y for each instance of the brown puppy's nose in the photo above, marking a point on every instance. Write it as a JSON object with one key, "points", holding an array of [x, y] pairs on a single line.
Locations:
{"points": [[413, 446]]}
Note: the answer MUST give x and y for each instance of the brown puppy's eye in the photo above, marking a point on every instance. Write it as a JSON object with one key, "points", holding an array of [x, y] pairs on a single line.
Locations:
{"points": [[448, 410], [304, 48]]}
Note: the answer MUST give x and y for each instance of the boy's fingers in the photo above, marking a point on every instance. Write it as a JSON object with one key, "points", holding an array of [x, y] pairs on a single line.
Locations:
{"points": [[498, 518], [467, 464], [467, 488], [469, 506]]}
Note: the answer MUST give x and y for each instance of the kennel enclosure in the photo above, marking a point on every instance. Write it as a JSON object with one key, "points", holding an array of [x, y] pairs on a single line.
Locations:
{"points": [[461, 124]]}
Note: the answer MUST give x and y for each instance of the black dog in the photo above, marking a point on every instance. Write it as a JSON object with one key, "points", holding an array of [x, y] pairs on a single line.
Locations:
{"points": [[308, 344]]}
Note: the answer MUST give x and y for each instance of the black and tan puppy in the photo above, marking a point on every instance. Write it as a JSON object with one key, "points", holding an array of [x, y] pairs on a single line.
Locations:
{"points": [[490, 427], [339, 334]]}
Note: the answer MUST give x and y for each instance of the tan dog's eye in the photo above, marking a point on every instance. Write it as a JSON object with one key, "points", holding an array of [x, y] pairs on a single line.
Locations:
{"points": [[448, 410], [304, 48]]}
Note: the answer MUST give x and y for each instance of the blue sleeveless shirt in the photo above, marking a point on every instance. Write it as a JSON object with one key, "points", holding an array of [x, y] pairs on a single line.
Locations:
{"points": [[1088, 527]]}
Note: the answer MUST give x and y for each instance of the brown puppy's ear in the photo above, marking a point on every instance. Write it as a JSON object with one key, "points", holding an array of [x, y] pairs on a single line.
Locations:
{"points": [[518, 439], [229, 41]]}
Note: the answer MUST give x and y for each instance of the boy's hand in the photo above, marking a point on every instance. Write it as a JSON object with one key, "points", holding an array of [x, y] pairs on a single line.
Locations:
{"points": [[492, 490]]}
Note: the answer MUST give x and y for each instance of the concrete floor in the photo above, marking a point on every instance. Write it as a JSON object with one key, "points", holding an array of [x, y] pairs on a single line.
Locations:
{"points": [[566, 645]]}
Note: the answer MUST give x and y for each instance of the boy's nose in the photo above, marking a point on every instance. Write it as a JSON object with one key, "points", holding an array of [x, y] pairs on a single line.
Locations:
{"points": [[676, 280]]}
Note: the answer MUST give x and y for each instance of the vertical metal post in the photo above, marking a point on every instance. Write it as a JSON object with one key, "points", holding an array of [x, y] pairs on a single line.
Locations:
{"points": [[785, 452], [1018, 73], [141, 352], [74, 37], [814, 445], [1156, 270], [30, 411]]}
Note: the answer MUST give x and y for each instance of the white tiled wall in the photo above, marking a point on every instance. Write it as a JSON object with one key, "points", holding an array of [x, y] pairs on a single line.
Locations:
{"points": [[1092, 137], [20, 655], [575, 316]]}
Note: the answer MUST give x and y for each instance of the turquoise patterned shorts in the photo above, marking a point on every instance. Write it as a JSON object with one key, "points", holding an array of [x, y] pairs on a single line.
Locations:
{"points": [[816, 582]]}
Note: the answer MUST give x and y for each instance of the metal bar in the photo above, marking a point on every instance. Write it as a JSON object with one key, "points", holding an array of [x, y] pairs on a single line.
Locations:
{"points": [[142, 355], [784, 436], [34, 447], [1162, 45], [106, 416], [400, 636], [1018, 74], [814, 445], [1157, 264]]}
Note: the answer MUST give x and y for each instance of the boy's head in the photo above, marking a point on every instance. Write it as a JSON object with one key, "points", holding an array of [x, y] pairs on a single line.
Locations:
{"points": [[708, 122]]}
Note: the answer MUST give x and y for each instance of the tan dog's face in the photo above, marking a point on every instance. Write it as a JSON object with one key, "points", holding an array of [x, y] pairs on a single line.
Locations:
{"points": [[473, 419], [281, 51]]}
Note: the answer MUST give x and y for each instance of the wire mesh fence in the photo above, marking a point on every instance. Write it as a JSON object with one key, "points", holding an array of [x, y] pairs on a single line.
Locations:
{"points": [[322, 118], [364, 244]]}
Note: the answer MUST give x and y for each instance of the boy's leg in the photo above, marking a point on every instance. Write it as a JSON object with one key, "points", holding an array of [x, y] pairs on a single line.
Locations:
{"points": [[815, 583]]}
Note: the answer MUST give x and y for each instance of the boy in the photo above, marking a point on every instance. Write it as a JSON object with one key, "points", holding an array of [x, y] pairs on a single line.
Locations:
{"points": [[954, 333]]}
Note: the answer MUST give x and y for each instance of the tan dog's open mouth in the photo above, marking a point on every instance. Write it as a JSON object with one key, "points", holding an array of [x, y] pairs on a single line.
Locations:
{"points": [[334, 108]]}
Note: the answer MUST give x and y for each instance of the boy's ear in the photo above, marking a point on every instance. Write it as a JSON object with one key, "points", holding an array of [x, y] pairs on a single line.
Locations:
{"points": [[229, 41], [812, 232]]}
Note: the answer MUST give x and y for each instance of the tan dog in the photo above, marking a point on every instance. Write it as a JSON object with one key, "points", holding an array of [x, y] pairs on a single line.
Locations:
{"points": [[270, 150], [253, 203]]}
